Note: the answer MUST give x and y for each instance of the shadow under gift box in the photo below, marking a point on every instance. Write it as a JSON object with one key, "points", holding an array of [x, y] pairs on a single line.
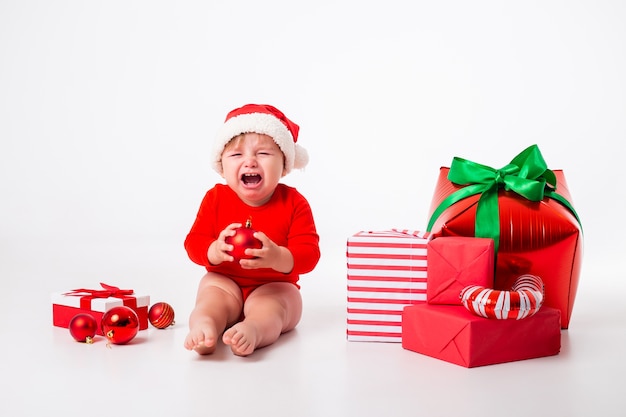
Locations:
{"points": [[542, 238]]}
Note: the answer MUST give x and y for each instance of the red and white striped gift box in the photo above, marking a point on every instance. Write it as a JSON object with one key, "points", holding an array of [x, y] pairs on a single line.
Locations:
{"points": [[386, 272]]}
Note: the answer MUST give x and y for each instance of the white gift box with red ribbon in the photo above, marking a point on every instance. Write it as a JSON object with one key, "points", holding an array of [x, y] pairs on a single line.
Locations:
{"points": [[386, 272], [67, 304]]}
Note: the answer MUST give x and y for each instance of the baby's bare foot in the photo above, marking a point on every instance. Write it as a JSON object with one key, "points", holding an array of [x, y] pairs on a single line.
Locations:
{"points": [[202, 338], [242, 338]]}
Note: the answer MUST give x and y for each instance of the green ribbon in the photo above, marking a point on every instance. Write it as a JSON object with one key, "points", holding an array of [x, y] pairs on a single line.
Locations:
{"points": [[527, 175]]}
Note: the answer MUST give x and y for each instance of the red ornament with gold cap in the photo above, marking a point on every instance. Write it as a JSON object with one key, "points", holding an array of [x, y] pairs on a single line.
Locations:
{"points": [[120, 325], [83, 327], [242, 240]]}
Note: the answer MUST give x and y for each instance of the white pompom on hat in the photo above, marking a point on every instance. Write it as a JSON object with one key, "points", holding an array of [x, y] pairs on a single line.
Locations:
{"points": [[263, 119]]}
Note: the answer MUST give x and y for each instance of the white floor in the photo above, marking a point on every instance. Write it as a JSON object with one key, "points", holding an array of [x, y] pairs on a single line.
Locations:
{"points": [[312, 371]]}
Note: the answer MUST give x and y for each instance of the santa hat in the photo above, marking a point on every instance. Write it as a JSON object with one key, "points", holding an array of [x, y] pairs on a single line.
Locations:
{"points": [[267, 120]]}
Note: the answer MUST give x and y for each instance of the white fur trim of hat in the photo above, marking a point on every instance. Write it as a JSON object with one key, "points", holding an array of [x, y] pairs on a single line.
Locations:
{"points": [[263, 119]]}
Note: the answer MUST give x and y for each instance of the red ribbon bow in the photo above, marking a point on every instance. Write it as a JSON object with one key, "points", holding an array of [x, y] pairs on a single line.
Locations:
{"points": [[108, 291]]}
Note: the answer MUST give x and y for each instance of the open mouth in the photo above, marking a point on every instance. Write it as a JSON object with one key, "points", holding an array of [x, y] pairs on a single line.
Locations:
{"points": [[250, 179]]}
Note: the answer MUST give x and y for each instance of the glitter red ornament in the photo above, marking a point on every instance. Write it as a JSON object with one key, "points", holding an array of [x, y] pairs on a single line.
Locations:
{"points": [[120, 325], [83, 328], [161, 315]]}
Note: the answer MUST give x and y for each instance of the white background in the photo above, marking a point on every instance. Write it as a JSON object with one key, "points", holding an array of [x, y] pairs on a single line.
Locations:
{"points": [[107, 113]]}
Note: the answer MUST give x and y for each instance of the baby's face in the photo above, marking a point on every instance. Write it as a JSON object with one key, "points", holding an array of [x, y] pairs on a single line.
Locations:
{"points": [[253, 164]]}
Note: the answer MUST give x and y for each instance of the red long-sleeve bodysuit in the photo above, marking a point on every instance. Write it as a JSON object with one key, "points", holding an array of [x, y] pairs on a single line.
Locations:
{"points": [[286, 219]]}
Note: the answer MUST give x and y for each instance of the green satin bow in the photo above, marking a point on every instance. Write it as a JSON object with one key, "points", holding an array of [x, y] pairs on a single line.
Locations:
{"points": [[527, 175]]}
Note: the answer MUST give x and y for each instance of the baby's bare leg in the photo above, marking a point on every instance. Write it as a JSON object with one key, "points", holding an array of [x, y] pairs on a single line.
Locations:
{"points": [[270, 310], [218, 304]]}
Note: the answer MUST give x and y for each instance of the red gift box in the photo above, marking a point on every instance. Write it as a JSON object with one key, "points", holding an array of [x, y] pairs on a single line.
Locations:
{"points": [[456, 262], [386, 271], [67, 304], [453, 334], [541, 237]]}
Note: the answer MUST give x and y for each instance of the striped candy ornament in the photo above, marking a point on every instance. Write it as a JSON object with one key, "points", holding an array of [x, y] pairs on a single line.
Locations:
{"points": [[524, 299]]}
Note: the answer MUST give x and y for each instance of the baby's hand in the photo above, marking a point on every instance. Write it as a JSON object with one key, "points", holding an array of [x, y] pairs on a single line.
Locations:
{"points": [[218, 250], [270, 255]]}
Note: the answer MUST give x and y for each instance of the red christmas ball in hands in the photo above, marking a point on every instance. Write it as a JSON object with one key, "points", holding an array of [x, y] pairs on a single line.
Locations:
{"points": [[161, 315], [120, 325], [242, 240], [83, 327]]}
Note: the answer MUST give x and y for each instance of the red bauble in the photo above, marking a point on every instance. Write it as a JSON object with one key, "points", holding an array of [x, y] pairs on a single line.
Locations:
{"points": [[120, 325], [161, 315], [83, 327], [242, 240]]}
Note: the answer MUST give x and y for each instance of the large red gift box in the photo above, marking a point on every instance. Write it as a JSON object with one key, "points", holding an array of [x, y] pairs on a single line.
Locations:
{"points": [[456, 262], [386, 272], [453, 334], [67, 304], [542, 238]]}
